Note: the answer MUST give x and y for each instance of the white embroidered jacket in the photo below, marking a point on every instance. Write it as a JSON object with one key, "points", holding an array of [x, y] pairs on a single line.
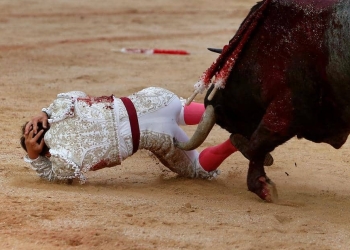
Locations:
{"points": [[82, 136]]}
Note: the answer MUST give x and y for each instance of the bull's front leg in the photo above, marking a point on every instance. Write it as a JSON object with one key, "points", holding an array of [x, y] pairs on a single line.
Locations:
{"points": [[261, 142], [259, 183], [257, 180], [274, 129]]}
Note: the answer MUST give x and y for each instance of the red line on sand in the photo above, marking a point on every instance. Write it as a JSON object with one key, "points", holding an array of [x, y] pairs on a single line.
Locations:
{"points": [[154, 51]]}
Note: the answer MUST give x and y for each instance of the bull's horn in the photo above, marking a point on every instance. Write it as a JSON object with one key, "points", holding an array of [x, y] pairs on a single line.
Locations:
{"points": [[215, 50], [202, 131]]}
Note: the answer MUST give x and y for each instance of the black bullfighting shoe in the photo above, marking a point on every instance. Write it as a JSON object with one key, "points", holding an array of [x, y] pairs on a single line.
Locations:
{"points": [[241, 143]]}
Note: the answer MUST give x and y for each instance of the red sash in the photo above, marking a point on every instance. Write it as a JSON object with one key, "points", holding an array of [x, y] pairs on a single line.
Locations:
{"points": [[134, 123]]}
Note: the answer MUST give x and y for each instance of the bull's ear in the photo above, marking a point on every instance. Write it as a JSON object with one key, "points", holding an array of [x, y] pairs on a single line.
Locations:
{"points": [[215, 50]]}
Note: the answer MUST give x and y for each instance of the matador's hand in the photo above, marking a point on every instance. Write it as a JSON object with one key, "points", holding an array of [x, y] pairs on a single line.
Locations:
{"points": [[34, 147], [33, 124]]}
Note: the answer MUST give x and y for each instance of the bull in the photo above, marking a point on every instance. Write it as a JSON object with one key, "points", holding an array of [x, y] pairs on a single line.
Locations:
{"points": [[285, 73]]}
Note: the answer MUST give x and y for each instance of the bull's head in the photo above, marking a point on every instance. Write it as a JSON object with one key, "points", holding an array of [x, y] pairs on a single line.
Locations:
{"points": [[204, 127]]}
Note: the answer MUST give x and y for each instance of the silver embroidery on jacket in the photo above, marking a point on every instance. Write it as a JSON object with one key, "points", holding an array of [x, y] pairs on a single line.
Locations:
{"points": [[86, 136], [151, 99], [162, 146]]}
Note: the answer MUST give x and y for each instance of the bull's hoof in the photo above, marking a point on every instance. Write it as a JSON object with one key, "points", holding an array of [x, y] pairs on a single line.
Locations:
{"points": [[267, 190], [242, 144]]}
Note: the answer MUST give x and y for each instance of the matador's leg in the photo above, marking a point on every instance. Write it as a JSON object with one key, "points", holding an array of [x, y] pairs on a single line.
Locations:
{"points": [[211, 157], [191, 114]]}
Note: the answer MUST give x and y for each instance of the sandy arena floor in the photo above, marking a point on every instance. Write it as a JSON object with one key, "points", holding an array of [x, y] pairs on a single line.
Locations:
{"points": [[48, 47]]}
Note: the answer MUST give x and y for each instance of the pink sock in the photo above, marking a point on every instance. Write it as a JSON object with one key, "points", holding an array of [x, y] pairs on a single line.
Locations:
{"points": [[211, 157], [193, 113]]}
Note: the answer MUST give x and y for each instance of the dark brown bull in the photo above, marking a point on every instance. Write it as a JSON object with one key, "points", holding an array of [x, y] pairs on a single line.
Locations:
{"points": [[285, 73]]}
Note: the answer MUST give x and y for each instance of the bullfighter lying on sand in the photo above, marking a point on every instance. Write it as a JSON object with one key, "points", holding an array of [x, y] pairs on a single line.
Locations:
{"points": [[81, 133]]}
